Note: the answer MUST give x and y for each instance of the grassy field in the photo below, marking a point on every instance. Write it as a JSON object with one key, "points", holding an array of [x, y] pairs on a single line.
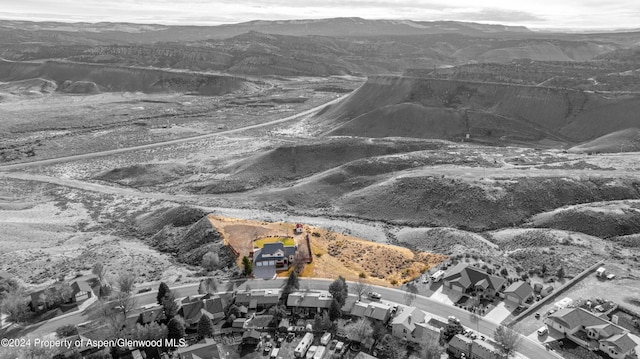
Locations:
{"points": [[286, 241]]}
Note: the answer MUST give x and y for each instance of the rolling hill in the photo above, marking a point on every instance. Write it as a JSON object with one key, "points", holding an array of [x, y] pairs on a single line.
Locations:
{"points": [[488, 112], [114, 78], [627, 140]]}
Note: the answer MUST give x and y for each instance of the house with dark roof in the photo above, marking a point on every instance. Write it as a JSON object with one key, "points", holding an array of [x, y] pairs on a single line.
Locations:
{"points": [[81, 290], [211, 306], [518, 292], [598, 332], [271, 258], [470, 280]]}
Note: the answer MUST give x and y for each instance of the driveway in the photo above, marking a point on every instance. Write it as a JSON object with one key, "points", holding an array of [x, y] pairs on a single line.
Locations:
{"points": [[551, 336], [445, 296], [499, 313]]}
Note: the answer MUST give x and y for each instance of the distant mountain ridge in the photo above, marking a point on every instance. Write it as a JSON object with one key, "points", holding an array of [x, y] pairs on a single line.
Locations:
{"points": [[335, 27]]}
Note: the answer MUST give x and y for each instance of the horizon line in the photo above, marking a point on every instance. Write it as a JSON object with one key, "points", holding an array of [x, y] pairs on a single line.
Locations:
{"points": [[533, 28]]}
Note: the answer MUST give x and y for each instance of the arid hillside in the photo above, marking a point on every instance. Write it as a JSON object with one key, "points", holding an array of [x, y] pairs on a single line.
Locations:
{"points": [[489, 112], [87, 78], [627, 140]]}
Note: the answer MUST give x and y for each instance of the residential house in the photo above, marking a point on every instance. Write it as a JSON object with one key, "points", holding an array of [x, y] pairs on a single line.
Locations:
{"points": [[404, 323], [460, 346], [258, 299], [251, 337], [410, 324], [373, 310], [81, 290], [307, 302], [470, 280], [518, 293], [151, 315], [592, 331], [205, 349], [272, 257], [211, 306], [481, 349]]}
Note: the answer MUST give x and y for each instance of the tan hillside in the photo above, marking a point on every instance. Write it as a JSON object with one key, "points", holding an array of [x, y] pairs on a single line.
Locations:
{"points": [[334, 254]]}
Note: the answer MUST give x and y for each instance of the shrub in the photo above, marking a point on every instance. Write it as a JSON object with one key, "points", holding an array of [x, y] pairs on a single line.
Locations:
{"points": [[66, 331], [362, 275]]}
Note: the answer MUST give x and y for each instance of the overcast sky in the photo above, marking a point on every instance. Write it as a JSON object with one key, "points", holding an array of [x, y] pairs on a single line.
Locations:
{"points": [[536, 14]]}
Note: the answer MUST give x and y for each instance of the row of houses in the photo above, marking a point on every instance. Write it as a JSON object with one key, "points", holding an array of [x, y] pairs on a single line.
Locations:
{"points": [[593, 331], [191, 309]]}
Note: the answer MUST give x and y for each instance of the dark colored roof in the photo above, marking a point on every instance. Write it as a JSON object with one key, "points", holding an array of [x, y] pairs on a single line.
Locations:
{"points": [[466, 276], [214, 305], [191, 311], [521, 289], [269, 249], [80, 286]]}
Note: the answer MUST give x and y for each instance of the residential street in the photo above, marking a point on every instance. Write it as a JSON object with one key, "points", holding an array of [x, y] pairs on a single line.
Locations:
{"points": [[528, 348]]}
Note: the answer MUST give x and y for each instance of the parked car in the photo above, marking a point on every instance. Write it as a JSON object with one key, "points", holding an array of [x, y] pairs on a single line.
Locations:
{"points": [[290, 337], [332, 345], [374, 295], [543, 330]]}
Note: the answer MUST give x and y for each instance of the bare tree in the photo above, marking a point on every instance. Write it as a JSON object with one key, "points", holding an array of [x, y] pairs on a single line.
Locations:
{"points": [[208, 285], [508, 340], [125, 302], [361, 288], [359, 330], [299, 261], [125, 282], [15, 305], [411, 293]]}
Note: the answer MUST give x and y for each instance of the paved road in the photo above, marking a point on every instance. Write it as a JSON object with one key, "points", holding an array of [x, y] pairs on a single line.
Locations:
{"points": [[528, 348], [165, 143]]}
